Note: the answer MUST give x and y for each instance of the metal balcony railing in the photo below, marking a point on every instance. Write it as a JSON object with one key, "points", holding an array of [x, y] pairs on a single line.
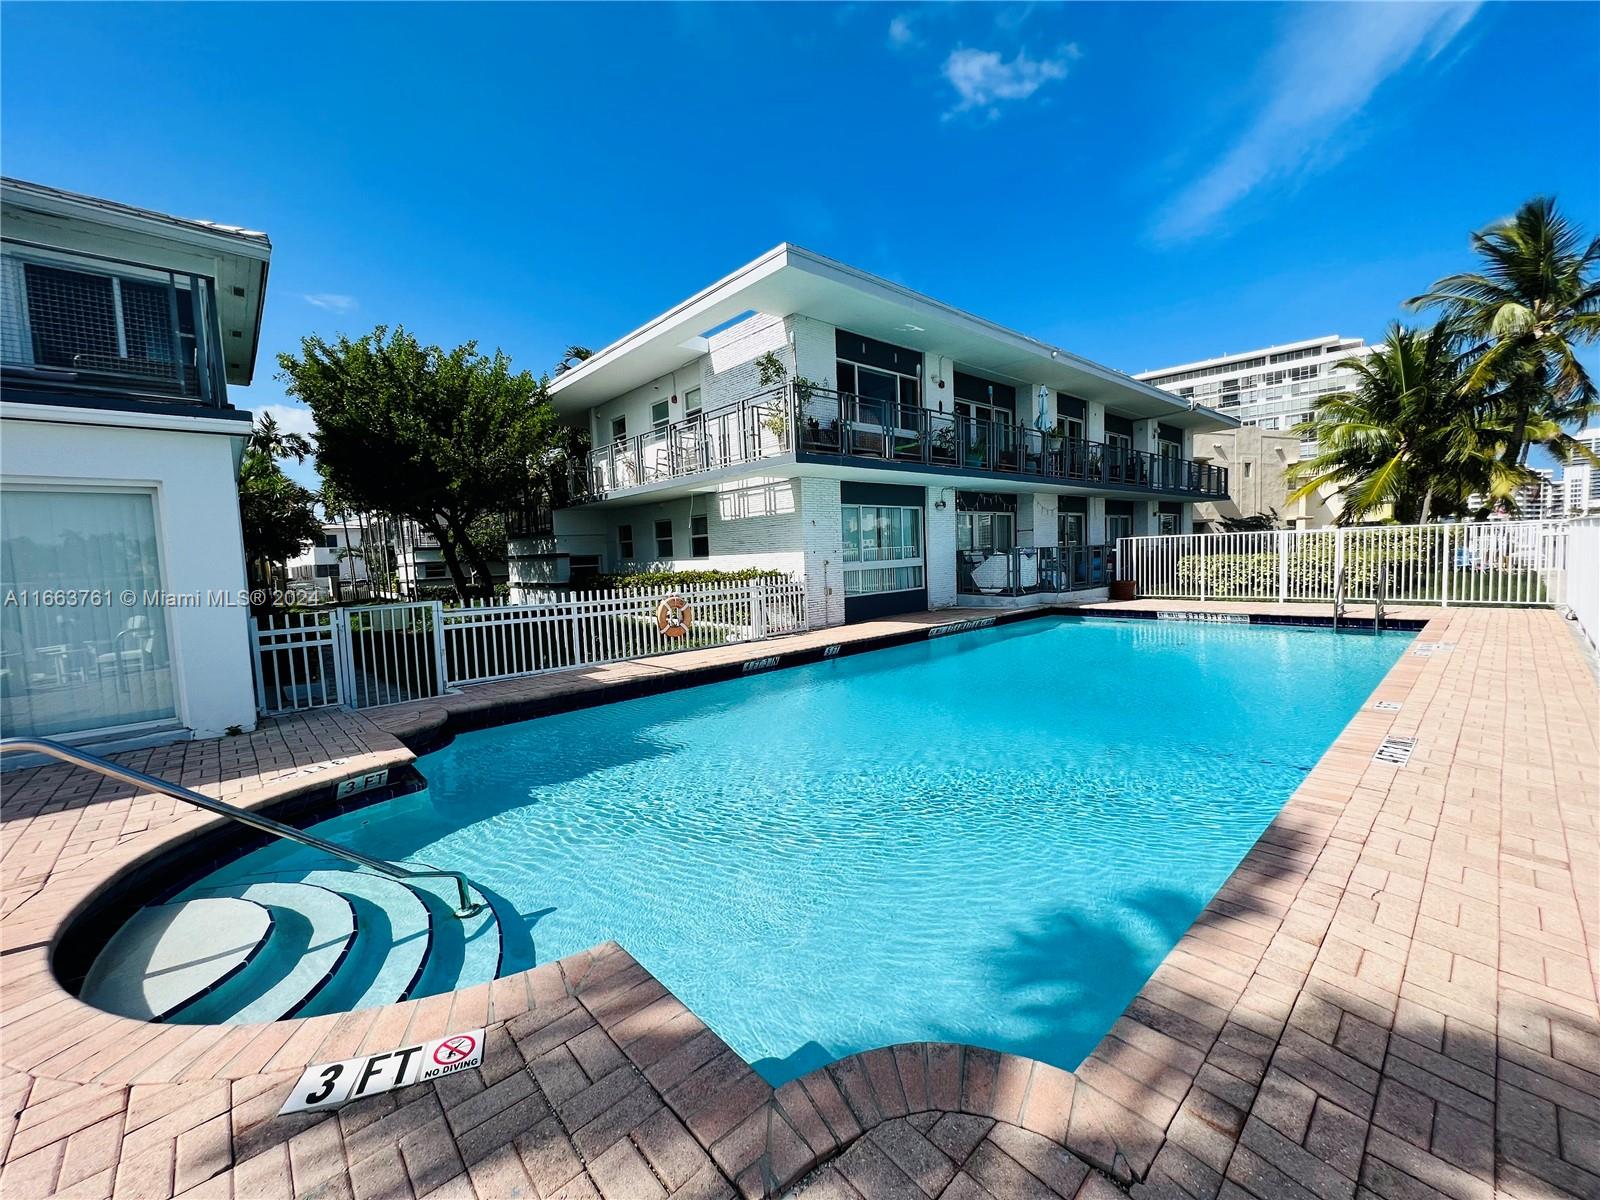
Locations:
{"points": [[88, 322], [1026, 570], [815, 420]]}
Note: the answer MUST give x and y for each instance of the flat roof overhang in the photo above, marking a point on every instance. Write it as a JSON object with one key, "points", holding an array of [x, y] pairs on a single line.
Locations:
{"points": [[791, 280], [826, 466]]}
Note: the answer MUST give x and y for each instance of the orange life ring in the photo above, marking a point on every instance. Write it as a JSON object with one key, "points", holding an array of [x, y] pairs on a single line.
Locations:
{"points": [[674, 617]]}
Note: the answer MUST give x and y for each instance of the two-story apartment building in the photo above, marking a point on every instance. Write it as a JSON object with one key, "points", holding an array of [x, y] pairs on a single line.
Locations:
{"points": [[911, 454], [122, 568]]}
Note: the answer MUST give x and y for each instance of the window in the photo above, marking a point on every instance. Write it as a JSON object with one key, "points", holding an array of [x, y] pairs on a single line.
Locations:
{"points": [[890, 538], [1118, 526], [110, 325], [71, 669], [691, 402], [659, 414], [327, 570], [664, 539], [1070, 528], [625, 542], [431, 570], [1166, 522], [885, 378], [619, 430], [1247, 468], [699, 537], [330, 541]]}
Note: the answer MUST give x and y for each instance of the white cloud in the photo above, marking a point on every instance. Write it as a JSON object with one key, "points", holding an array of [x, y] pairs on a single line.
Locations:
{"points": [[332, 301], [291, 418], [1321, 74], [983, 79], [901, 35]]}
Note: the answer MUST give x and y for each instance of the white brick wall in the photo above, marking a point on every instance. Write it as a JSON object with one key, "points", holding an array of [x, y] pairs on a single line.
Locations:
{"points": [[731, 365], [814, 350], [824, 550], [940, 548]]}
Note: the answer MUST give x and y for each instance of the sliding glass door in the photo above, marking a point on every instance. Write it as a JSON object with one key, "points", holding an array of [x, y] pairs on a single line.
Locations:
{"points": [[83, 632]]}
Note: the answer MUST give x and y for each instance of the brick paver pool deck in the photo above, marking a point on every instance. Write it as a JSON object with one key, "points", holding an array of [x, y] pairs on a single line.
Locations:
{"points": [[1393, 996]]}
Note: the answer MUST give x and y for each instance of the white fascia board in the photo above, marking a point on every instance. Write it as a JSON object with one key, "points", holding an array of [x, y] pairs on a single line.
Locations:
{"points": [[124, 217], [784, 282], [63, 414]]}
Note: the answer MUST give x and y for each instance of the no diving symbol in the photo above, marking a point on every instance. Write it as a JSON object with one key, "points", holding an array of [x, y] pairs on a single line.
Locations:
{"points": [[453, 1050]]}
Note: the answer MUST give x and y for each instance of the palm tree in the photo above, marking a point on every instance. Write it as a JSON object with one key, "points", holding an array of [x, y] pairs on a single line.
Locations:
{"points": [[1413, 440], [1536, 301], [266, 438], [573, 356]]}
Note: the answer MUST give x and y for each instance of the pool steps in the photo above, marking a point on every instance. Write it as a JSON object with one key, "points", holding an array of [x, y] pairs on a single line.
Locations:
{"points": [[304, 939], [185, 950]]}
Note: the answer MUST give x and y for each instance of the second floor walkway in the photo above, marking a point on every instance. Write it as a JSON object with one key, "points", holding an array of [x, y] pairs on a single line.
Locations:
{"points": [[815, 424]]}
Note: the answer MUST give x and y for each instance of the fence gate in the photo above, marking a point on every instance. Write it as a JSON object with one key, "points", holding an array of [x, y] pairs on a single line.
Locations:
{"points": [[296, 658]]}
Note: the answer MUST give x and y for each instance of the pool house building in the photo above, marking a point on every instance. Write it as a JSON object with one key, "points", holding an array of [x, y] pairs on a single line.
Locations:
{"points": [[894, 452], [121, 551]]}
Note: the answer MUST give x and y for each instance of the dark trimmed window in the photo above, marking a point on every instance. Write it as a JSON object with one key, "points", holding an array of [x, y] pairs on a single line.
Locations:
{"points": [[625, 541], [699, 537], [664, 538]]}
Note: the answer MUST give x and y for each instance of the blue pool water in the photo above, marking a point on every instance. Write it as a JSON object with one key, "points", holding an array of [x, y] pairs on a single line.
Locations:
{"points": [[989, 838]]}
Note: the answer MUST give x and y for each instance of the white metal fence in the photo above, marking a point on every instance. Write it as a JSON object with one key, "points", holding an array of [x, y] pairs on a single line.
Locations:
{"points": [[380, 654], [1581, 594], [1494, 562]]}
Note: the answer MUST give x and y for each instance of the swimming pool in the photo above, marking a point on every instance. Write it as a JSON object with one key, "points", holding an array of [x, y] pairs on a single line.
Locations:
{"points": [[991, 838]]}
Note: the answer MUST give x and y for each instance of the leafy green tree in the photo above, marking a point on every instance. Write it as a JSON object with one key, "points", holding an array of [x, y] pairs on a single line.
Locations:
{"points": [[277, 515], [1530, 308], [1413, 440], [441, 438]]}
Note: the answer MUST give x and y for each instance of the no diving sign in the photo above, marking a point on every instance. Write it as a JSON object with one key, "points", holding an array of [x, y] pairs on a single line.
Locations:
{"points": [[328, 1085]]}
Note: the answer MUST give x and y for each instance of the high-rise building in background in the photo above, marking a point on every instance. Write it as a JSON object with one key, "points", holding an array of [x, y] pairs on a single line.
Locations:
{"points": [[1275, 387], [1271, 390], [1580, 481]]}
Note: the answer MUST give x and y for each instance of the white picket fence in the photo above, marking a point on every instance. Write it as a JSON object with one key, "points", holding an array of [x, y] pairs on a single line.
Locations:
{"points": [[373, 655], [1492, 562]]}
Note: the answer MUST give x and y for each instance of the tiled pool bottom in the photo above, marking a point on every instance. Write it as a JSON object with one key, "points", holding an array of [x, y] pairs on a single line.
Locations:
{"points": [[991, 838]]}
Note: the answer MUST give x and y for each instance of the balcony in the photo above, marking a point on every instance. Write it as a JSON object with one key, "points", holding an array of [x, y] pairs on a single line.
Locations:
{"points": [[1030, 570], [815, 423], [77, 323]]}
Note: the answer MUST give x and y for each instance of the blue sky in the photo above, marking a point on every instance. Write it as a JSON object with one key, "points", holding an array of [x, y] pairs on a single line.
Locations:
{"points": [[1140, 183]]}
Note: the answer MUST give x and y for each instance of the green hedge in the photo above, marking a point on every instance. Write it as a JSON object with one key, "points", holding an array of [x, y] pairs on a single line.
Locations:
{"points": [[1310, 567], [675, 579]]}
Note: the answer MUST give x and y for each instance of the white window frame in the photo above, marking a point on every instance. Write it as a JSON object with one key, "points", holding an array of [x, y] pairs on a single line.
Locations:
{"points": [[919, 562]]}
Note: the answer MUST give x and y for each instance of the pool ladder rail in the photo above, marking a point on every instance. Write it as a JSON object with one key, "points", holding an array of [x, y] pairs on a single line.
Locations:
{"points": [[465, 907]]}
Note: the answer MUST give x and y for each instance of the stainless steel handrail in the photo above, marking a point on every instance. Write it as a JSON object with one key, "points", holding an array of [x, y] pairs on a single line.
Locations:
{"points": [[1338, 597], [93, 762], [1377, 598]]}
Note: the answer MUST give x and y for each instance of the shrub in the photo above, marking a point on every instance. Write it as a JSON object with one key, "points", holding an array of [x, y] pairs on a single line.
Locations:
{"points": [[674, 579]]}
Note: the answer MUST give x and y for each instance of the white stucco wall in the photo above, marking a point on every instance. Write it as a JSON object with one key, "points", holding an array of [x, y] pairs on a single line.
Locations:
{"points": [[192, 476]]}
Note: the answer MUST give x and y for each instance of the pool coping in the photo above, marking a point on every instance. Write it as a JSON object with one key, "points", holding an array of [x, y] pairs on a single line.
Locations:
{"points": [[1115, 1112]]}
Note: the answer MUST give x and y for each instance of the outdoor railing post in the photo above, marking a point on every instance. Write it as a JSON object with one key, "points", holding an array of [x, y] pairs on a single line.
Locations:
{"points": [[1283, 566], [438, 647], [1446, 565], [1338, 559]]}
